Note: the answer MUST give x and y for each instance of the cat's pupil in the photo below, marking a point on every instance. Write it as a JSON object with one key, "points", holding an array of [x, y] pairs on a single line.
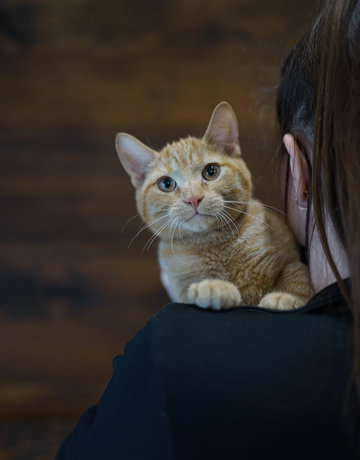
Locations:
{"points": [[211, 171]]}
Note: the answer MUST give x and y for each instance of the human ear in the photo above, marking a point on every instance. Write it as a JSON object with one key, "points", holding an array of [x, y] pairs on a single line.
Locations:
{"points": [[134, 156], [222, 130], [299, 171]]}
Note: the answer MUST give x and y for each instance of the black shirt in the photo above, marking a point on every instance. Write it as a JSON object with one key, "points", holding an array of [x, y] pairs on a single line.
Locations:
{"points": [[240, 384]]}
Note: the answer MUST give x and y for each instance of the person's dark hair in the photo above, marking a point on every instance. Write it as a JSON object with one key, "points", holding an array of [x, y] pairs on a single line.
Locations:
{"points": [[319, 104]]}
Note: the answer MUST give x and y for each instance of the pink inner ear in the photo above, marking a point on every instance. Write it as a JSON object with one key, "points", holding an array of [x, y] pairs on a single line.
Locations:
{"points": [[223, 128], [134, 156], [225, 135]]}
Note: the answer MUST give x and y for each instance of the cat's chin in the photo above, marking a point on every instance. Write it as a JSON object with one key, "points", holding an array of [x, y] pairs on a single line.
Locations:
{"points": [[198, 223]]}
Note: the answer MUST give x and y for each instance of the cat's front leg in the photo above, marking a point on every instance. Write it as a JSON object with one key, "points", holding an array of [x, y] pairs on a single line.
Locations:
{"points": [[214, 294], [292, 290]]}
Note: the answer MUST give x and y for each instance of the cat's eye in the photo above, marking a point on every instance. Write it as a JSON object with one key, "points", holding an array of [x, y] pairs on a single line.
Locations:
{"points": [[166, 184], [211, 172]]}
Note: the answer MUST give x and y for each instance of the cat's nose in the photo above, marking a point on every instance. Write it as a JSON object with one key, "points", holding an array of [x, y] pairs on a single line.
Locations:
{"points": [[194, 201]]}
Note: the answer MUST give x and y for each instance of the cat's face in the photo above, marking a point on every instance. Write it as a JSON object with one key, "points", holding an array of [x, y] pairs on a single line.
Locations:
{"points": [[191, 186]]}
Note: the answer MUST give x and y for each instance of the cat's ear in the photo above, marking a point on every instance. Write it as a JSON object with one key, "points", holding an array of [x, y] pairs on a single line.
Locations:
{"points": [[223, 130], [134, 156]]}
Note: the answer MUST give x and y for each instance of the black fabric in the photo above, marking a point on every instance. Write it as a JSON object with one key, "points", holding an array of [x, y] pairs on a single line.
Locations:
{"points": [[240, 384]]}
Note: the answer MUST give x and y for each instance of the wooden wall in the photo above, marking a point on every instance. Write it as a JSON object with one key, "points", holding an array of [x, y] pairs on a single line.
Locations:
{"points": [[72, 74]]}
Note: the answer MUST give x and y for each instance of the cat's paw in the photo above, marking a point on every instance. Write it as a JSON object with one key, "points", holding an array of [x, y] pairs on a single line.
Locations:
{"points": [[281, 301], [214, 294]]}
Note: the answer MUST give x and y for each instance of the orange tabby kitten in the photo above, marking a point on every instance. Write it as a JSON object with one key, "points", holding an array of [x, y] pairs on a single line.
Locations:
{"points": [[219, 247]]}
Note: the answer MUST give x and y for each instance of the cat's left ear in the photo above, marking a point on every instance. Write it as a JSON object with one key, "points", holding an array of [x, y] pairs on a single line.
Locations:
{"points": [[223, 130]]}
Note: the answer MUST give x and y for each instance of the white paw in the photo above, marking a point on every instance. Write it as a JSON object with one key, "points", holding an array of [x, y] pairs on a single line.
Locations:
{"points": [[214, 294], [281, 301]]}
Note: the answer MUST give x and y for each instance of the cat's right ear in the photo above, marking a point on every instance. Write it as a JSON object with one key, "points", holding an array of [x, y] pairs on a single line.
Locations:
{"points": [[134, 156]]}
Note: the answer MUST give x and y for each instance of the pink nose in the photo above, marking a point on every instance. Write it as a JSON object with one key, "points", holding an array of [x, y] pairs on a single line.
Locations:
{"points": [[194, 201]]}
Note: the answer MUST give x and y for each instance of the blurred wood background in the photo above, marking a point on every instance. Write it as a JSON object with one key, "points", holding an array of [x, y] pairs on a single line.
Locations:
{"points": [[72, 74]]}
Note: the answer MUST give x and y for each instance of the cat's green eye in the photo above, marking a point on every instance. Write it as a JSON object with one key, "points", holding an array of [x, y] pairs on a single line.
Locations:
{"points": [[211, 172], [166, 184]]}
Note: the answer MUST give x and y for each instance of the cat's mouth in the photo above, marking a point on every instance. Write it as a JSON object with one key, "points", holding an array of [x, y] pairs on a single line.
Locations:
{"points": [[197, 215]]}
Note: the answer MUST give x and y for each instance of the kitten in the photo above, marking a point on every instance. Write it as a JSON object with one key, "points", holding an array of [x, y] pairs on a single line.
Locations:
{"points": [[219, 247]]}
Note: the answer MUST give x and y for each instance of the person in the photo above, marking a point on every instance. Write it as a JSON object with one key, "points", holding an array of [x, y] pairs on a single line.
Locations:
{"points": [[249, 383]]}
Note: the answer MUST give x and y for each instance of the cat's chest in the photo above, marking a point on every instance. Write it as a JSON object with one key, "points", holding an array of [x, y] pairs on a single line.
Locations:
{"points": [[184, 260]]}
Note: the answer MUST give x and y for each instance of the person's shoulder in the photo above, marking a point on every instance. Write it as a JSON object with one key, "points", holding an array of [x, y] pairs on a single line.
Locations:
{"points": [[182, 336], [184, 325], [182, 321], [198, 341]]}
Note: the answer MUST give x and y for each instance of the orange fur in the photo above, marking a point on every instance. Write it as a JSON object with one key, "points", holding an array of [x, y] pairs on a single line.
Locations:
{"points": [[219, 246]]}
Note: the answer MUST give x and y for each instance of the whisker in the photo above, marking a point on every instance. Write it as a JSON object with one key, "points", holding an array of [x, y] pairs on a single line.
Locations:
{"points": [[180, 237], [256, 204], [153, 237], [137, 215], [172, 233], [144, 227], [131, 218], [250, 215], [178, 230], [218, 217], [225, 219], [230, 220]]}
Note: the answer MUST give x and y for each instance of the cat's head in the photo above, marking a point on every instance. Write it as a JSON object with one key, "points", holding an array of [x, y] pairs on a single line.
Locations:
{"points": [[193, 185]]}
